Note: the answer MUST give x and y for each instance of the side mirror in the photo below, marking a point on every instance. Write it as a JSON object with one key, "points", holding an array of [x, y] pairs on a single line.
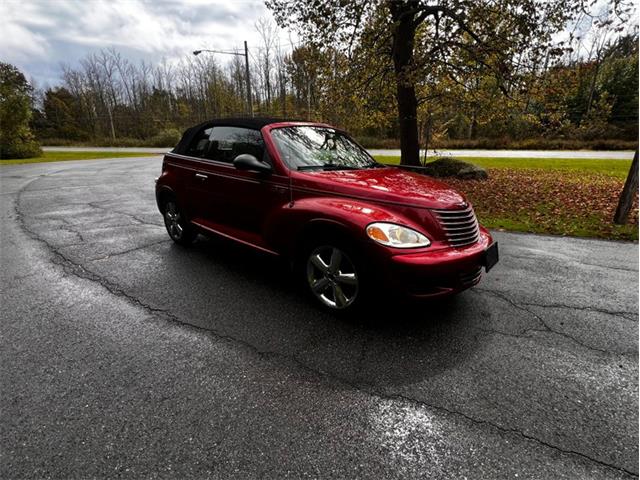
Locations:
{"points": [[247, 161]]}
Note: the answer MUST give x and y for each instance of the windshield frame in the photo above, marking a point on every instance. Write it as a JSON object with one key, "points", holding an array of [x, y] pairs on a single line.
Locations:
{"points": [[295, 166]]}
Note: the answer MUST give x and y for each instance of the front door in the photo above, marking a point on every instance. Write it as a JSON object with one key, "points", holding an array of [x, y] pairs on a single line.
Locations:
{"points": [[231, 201]]}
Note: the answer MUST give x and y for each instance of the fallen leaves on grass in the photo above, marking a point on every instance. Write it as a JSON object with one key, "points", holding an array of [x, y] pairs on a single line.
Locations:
{"points": [[544, 201]]}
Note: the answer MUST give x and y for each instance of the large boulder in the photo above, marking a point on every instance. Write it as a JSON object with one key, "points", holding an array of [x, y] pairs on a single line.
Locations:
{"points": [[453, 167]]}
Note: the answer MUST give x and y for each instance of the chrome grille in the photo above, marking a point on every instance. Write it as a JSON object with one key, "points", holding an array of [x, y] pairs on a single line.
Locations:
{"points": [[460, 226]]}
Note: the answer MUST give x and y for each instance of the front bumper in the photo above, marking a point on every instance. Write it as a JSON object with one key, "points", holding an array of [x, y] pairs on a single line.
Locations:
{"points": [[439, 272]]}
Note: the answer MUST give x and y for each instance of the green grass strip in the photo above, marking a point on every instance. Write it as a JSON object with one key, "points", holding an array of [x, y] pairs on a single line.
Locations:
{"points": [[66, 156], [609, 167]]}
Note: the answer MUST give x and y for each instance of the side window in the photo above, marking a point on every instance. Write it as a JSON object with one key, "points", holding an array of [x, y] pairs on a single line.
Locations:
{"points": [[200, 144], [229, 142]]}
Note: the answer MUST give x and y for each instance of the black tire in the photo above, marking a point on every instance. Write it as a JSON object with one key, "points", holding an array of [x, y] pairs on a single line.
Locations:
{"points": [[176, 223], [333, 275]]}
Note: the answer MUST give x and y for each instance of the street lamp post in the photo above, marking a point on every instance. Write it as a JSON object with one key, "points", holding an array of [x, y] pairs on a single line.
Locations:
{"points": [[246, 67], [246, 72]]}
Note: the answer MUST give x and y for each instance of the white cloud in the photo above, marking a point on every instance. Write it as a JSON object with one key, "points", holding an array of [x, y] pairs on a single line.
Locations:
{"points": [[20, 44], [40, 35]]}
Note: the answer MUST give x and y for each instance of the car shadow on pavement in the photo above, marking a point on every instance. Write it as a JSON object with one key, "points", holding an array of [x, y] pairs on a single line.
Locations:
{"points": [[391, 343]]}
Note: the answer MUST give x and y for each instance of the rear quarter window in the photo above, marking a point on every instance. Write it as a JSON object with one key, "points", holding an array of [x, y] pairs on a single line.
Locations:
{"points": [[200, 144], [229, 142]]}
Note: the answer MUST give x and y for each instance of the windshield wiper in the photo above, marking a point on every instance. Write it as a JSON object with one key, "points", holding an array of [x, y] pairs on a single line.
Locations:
{"points": [[329, 166]]}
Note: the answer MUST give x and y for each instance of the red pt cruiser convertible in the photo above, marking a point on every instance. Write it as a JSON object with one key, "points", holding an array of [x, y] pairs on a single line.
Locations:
{"points": [[308, 192]]}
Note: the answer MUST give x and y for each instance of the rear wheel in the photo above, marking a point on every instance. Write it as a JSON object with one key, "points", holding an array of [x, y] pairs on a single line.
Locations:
{"points": [[332, 277], [177, 225]]}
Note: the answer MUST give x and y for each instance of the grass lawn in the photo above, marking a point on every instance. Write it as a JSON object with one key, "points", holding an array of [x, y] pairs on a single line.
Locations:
{"points": [[63, 156], [614, 168], [574, 197]]}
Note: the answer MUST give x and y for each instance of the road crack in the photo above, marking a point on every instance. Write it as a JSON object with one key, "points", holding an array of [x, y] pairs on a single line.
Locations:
{"points": [[142, 221], [606, 267], [516, 432], [614, 313], [546, 327], [124, 252]]}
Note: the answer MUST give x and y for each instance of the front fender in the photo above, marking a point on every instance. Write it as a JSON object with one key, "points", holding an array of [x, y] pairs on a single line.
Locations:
{"points": [[350, 216]]}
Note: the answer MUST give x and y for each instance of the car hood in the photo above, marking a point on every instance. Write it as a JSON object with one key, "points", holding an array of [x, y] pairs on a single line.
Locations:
{"points": [[391, 185]]}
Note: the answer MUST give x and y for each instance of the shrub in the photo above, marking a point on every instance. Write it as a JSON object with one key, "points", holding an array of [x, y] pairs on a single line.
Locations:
{"points": [[538, 144], [376, 142], [452, 167], [166, 138], [24, 148], [16, 139]]}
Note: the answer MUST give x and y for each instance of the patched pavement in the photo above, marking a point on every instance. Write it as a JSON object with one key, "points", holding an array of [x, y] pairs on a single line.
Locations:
{"points": [[125, 355]]}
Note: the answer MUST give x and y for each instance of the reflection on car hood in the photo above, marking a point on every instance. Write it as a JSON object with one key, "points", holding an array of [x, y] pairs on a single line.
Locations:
{"points": [[384, 184]]}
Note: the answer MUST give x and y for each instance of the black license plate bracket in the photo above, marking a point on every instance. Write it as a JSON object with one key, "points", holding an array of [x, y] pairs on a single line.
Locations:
{"points": [[491, 256]]}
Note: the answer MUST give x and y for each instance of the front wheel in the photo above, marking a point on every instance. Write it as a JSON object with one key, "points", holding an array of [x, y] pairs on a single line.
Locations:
{"points": [[333, 278], [177, 225]]}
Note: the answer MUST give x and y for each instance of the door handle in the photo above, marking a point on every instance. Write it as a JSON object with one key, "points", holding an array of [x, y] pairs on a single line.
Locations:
{"points": [[201, 176]]}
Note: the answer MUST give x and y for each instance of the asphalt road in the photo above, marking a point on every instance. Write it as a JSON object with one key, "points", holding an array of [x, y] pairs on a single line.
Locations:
{"points": [[597, 154], [125, 355]]}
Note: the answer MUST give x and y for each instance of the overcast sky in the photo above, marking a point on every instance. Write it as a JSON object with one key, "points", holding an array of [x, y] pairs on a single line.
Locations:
{"points": [[38, 35]]}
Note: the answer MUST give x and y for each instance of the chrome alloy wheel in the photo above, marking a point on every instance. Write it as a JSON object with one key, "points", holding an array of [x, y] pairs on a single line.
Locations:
{"points": [[172, 221], [332, 277]]}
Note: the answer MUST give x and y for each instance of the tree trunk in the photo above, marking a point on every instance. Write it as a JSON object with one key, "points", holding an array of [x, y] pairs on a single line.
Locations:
{"points": [[592, 86], [113, 130], [473, 125], [427, 137], [628, 192], [403, 40]]}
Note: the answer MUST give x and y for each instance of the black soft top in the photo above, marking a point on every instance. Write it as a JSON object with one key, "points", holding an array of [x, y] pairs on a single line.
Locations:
{"points": [[254, 123]]}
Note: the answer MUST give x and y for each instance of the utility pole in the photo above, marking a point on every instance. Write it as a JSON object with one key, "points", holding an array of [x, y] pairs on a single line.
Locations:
{"points": [[246, 66]]}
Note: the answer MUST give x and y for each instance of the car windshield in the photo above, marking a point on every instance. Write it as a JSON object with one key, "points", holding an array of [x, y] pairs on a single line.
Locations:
{"points": [[320, 148]]}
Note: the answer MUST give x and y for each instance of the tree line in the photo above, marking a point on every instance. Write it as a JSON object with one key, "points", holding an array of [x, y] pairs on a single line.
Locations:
{"points": [[468, 88]]}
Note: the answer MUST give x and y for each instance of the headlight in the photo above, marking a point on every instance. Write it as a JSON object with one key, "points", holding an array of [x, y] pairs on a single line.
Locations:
{"points": [[393, 235]]}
